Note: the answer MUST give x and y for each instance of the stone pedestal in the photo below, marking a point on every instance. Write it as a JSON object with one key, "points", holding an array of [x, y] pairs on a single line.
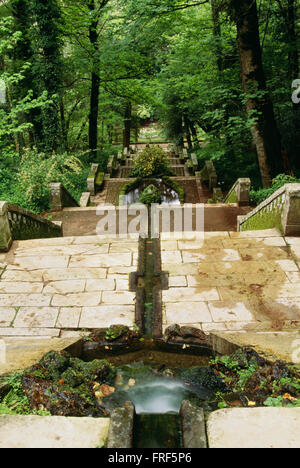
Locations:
{"points": [[5, 232]]}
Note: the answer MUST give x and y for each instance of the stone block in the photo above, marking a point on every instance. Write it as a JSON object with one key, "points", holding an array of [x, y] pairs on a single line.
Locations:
{"points": [[52, 432], [36, 317], [193, 426], [85, 199], [106, 315], [189, 312], [254, 428], [5, 232]]}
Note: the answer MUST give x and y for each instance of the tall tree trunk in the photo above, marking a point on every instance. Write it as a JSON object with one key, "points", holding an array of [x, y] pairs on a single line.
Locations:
{"points": [[93, 117], [264, 130], [217, 35], [127, 125], [23, 52], [293, 58], [187, 132], [194, 133], [292, 40], [48, 18], [64, 130], [95, 87]]}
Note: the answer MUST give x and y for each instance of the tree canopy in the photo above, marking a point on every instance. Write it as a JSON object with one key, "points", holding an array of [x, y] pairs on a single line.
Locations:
{"points": [[83, 76]]}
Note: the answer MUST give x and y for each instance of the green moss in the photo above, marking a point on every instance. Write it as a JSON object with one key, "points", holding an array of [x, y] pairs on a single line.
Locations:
{"points": [[15, 401], [232, 197], [264, 220], [100, 179], [115, 331], [61, 384]]}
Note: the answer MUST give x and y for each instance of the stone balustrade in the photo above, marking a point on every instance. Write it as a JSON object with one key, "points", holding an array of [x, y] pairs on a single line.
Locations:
{"points": [[281, 210], [209, 174], [91, 180], [16, 223]]}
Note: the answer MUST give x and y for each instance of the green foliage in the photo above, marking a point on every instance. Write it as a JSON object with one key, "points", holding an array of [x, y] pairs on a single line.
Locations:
{"points": [[24, 180], [275, 402], [259, 196], [16, 402], [150, 195], [151, 162], [147, 53], [245, 371]]}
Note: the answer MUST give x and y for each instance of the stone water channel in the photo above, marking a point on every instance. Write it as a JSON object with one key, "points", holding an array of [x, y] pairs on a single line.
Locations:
{"points": [[162, 378]]}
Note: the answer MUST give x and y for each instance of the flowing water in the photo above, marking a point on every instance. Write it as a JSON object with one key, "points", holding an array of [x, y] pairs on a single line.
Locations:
{"points": [[157, 397], [157, 431], [157, 421]]}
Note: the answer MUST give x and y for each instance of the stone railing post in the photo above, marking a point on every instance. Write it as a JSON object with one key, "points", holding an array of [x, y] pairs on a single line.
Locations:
{"points": [[56, 197], [91, 180], [60, 197], [5, 232], [291, 211], [239, 193], [244, 192]]}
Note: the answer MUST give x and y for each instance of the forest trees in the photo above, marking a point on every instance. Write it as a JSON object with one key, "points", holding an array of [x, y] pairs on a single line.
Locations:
{"points": [[258, 104], [217, 75]]}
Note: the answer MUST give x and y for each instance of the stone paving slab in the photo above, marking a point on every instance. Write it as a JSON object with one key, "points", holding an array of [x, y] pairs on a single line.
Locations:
{"points": [[243, 281], [254, 428], [66, 283], [19, 352], [52, 432], [284, 345]]}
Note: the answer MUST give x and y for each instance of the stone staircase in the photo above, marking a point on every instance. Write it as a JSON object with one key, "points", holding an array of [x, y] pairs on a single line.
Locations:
{"points": [[49, 286], [227, 282], [218, 217]]}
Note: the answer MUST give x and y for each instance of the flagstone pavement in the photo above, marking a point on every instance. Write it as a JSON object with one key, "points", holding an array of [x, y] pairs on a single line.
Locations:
{"points": [[229, 282]]}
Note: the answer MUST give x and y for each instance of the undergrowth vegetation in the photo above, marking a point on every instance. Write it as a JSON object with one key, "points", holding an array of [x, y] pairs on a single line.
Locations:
{"points": [[258, 196], [253, 381], [25, 179]]}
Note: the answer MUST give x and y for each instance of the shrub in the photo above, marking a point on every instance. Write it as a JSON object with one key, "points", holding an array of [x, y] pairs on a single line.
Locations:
{"points": [[25, 180], [257, 197], [151, 162]]}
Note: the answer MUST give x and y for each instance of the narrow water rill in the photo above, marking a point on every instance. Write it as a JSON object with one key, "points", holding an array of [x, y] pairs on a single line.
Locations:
{"points": [[157, 394], [157, 431]]}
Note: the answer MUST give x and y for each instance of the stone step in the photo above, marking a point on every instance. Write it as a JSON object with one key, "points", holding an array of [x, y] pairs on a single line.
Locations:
{"points": [[52, 432], [84, 221]]}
